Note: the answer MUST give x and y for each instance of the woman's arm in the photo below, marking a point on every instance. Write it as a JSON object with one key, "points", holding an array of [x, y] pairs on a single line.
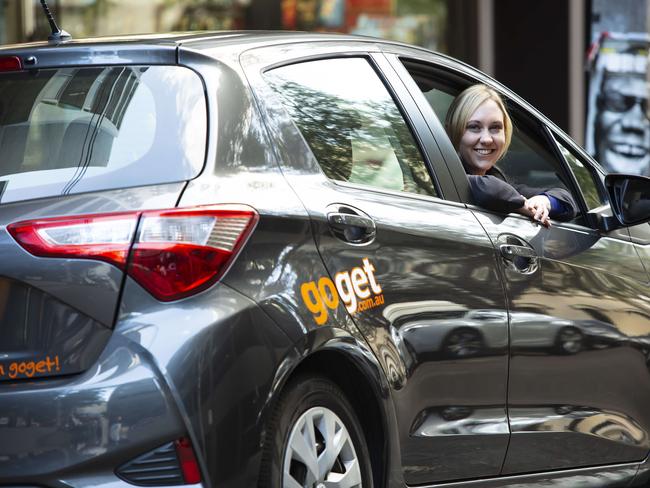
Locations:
{"points": [[562, 206], [493, 193]]}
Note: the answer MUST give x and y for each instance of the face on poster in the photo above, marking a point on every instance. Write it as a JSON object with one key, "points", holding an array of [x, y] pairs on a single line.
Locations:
{"points": [[618, 132]]}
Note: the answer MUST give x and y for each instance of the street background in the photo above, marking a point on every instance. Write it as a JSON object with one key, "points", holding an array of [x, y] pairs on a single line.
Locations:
{"points": [[539, 49]]}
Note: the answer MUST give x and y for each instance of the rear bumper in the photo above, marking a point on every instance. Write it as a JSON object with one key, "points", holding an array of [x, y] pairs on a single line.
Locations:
{"points": [[201, 368], [93, 422]]}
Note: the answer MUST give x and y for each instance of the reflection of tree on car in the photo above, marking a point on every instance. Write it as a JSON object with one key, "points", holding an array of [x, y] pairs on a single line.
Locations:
{"points": [[354, 145]]}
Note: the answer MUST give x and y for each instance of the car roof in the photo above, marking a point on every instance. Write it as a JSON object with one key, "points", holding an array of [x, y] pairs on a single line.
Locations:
{"points": [[163, 48], [201, 39]]}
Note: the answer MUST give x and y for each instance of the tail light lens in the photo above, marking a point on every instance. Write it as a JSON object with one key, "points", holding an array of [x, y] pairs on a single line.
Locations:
{"points": [[10, 63], [179, 252], [105, 237], [173, 253]]}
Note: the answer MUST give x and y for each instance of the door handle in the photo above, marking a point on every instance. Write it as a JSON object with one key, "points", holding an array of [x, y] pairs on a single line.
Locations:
{"points": [[342, 220], [517, 254], [509, 251], [350, 224]]}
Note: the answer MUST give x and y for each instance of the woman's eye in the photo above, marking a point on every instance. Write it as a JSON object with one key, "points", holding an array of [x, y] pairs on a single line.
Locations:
{"points": [[474, 127], [496, 129]]}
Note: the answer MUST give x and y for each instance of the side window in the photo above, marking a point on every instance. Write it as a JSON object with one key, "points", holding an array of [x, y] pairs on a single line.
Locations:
{"points": [[532, 159], [592, 190], [351, 123]]}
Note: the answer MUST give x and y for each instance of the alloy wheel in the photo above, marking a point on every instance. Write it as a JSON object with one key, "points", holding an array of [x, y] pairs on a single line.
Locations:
{"points": [[320, 453]]}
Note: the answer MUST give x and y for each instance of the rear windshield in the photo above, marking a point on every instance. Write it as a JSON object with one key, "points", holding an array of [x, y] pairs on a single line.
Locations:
{"points": [[74, 130]]}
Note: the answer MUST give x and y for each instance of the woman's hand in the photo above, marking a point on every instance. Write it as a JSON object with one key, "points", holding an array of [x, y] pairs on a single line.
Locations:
{"points": [[537, 208]]}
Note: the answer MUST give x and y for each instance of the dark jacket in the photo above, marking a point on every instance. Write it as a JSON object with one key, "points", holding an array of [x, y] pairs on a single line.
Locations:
{"points": [[494, 192]]}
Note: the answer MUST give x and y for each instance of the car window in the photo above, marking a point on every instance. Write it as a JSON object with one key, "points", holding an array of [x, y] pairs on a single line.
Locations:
{"points": [[532, 158], [352, 125], [72, 130], [592, 191]]}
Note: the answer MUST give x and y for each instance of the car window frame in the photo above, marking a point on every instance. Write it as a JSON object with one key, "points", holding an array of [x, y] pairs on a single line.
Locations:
{"points": [[109, 177], [404, 117], [551, 133], [256, 61]]}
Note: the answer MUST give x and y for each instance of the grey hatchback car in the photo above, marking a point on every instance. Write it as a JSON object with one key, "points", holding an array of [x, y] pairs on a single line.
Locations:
{"points": [[247, 259]]}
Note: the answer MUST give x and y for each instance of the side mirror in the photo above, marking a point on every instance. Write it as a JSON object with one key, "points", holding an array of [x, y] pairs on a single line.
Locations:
{"points": [[629, 197]]}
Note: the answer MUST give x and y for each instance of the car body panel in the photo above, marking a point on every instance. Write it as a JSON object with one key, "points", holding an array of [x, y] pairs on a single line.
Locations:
{"points": [[217, 352], [401, 232], [569, 288]]}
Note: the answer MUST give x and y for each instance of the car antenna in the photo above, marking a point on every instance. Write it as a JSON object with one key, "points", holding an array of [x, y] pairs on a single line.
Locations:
{"points": [[57, 35]]}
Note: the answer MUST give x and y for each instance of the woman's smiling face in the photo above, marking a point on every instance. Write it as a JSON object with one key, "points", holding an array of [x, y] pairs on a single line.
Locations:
{"points": [[484, 138]]}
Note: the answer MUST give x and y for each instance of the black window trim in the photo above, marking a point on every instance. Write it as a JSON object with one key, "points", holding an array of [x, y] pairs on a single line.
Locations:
{"points": [[557, 140]]}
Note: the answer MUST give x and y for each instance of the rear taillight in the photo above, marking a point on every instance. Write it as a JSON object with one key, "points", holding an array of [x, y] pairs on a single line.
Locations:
{"points": [[10, 63], [106, 237], [171, 253], [179, 252]]}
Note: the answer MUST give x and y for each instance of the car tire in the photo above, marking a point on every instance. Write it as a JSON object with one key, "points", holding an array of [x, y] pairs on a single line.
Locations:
{"points": [[462, 343], [569, 340], [314, 439]]}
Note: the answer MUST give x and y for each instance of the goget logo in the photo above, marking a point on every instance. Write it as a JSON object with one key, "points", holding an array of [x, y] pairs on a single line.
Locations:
{"points": [[358, 289]]}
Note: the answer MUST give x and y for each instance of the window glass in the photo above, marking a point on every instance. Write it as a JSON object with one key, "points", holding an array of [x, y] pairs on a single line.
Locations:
{"points": [[588, 182], [530, 160], [71, 130], [352, 125]]}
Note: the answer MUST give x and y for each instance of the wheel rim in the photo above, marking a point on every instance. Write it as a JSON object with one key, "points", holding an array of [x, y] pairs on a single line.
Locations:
{"points": [[571, 341], [320, 453], [464, 344]]}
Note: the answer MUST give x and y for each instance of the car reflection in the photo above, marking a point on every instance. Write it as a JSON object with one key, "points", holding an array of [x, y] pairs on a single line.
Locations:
{"points": [[460, 420], [463, 420], [438, 330], [455, 335], [607, 424], [531, 332]]}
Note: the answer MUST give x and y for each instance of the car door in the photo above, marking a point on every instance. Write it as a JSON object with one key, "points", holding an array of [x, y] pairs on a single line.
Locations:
{"points": [[578, 306], [407, 264]]}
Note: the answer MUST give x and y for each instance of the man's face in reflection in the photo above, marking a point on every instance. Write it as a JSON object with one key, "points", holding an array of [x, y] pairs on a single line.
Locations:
{"points": [[623, 126]]}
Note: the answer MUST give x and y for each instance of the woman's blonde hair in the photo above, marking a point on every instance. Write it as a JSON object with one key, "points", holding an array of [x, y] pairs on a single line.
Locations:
{"points": [[465, 104]]}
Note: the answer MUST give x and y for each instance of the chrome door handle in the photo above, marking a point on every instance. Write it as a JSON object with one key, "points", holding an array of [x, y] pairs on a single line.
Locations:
{"points": [[517, 254], [510, 251], [350, 224], [341, 220]]}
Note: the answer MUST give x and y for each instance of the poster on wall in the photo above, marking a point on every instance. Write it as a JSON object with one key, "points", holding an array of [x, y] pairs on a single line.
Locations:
{"points": [[618, 117]]}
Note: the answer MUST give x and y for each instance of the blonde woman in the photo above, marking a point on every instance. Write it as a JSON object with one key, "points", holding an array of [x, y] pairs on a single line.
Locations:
{"points": [[481, 130]]}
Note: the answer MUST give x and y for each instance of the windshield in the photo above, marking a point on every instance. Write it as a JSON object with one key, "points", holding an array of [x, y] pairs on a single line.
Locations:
{"points": [[73, 130]]}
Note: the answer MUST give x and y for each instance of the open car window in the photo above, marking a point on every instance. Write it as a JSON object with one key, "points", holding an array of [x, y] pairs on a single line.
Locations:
{"points": [[533, 158]]}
